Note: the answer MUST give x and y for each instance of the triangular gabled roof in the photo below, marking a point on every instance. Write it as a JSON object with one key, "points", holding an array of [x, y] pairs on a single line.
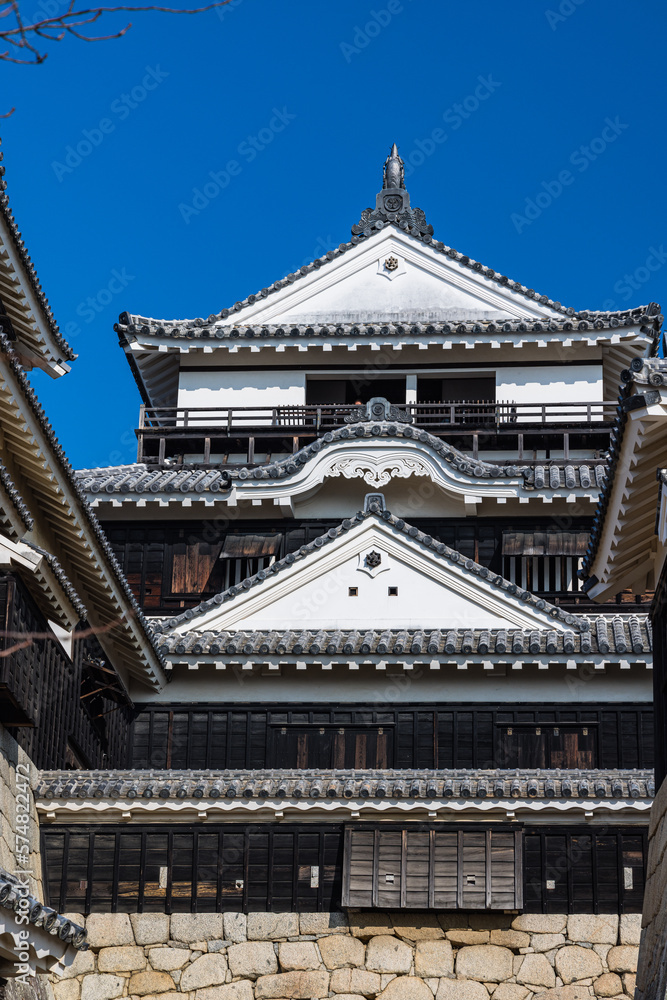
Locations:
{"points": [[373, 552]]}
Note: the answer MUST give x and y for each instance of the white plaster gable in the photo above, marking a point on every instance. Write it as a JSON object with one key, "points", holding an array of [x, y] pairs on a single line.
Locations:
{"points": [[314, 593], [424, 285]]}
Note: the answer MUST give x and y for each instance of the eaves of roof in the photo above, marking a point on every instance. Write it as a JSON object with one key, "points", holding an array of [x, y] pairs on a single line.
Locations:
{"points": [[651, 373], [605, 635], [211, 331], [153, 660], [29, 268], [201, 786], [13, 896], [374, 508]]}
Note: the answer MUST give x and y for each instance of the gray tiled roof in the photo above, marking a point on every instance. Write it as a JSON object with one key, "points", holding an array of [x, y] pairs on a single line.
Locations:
{"points": [[604, 635], [14, 897], [345, 784], [130, 326], [143, 479], [649, 372], [374, 507], [17, 501]]}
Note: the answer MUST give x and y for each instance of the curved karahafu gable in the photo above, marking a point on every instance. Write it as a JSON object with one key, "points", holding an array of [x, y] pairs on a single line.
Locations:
{"points": [[375, 452], [374, 567]]}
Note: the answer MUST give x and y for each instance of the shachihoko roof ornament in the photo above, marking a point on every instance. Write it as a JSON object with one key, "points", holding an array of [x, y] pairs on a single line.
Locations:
{"points": [[393, 203]]}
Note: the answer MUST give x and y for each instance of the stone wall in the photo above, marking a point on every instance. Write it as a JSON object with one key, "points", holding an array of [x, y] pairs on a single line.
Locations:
{"points": [[652, 973], [380, 956], [11, 755]]}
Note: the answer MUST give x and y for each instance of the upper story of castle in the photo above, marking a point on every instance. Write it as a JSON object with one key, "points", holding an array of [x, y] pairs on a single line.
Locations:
{"points": [[393, 313]]}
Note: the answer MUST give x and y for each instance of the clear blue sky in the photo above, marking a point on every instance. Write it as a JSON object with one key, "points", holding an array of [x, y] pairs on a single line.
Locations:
{"points": [[305, 97]]}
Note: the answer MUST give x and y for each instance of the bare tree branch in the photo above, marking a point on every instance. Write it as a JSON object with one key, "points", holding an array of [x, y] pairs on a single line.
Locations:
{"points": [[20, 37]]}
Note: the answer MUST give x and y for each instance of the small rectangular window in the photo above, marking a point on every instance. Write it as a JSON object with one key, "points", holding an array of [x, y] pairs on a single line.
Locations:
{"points": [[353, 592], [393, 591]]}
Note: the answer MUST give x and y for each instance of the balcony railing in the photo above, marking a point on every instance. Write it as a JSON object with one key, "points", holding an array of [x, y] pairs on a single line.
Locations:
{"points": [[238, 435]]}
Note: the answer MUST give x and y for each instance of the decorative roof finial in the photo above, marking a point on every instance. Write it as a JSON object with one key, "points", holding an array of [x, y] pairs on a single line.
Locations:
{"points": [[394, 170], [392, 205]]}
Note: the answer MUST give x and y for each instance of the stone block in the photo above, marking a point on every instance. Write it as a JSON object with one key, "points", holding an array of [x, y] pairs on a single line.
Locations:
{"points": [[574, 962], [565, 993], [209, 970], [417, 927], [630, 928], [108, 930], [294, 955], [252, 959], [366, 926], [510, 991], [351, 996], [510, 939], [629, 983], [168, 959], [490, 921], [235, 927], [485, 962], [323, 923], [464, 936], [339, 951], [143, 983], [608, 985], [295, 985], [84, 961], [272, 926], [368, 984], [546, 942], [593, 929], [536, 970], [540, 923], [406, 988], [623, 958], [128, 958], [192, 927], [150, 928], [97, 987], [233, 991], [434, 959], [68, 989], [459, 989], [388, 954]]}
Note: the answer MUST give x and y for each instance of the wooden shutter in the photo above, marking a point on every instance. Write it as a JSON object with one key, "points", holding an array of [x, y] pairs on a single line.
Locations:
{"points": [[433, 868]]}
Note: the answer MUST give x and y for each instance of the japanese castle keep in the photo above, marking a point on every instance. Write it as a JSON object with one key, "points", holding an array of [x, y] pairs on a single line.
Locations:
{"points": [[363, 726]]}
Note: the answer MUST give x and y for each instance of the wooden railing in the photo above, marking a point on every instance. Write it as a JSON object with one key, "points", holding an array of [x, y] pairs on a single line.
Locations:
{"points": [[170, 432]]}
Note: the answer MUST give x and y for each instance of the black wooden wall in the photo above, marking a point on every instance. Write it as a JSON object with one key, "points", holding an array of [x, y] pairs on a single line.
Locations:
{"points": [[422, 736], [41, 691], [211, 868]]}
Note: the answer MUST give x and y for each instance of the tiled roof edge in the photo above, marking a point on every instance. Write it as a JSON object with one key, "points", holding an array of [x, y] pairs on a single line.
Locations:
{"points": [[651, 372], [36, 406], [29, 267], [648, 317], [13, 896]]}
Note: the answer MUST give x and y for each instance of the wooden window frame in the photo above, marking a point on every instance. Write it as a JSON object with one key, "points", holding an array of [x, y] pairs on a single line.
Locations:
{"points": [[461, 904]]}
